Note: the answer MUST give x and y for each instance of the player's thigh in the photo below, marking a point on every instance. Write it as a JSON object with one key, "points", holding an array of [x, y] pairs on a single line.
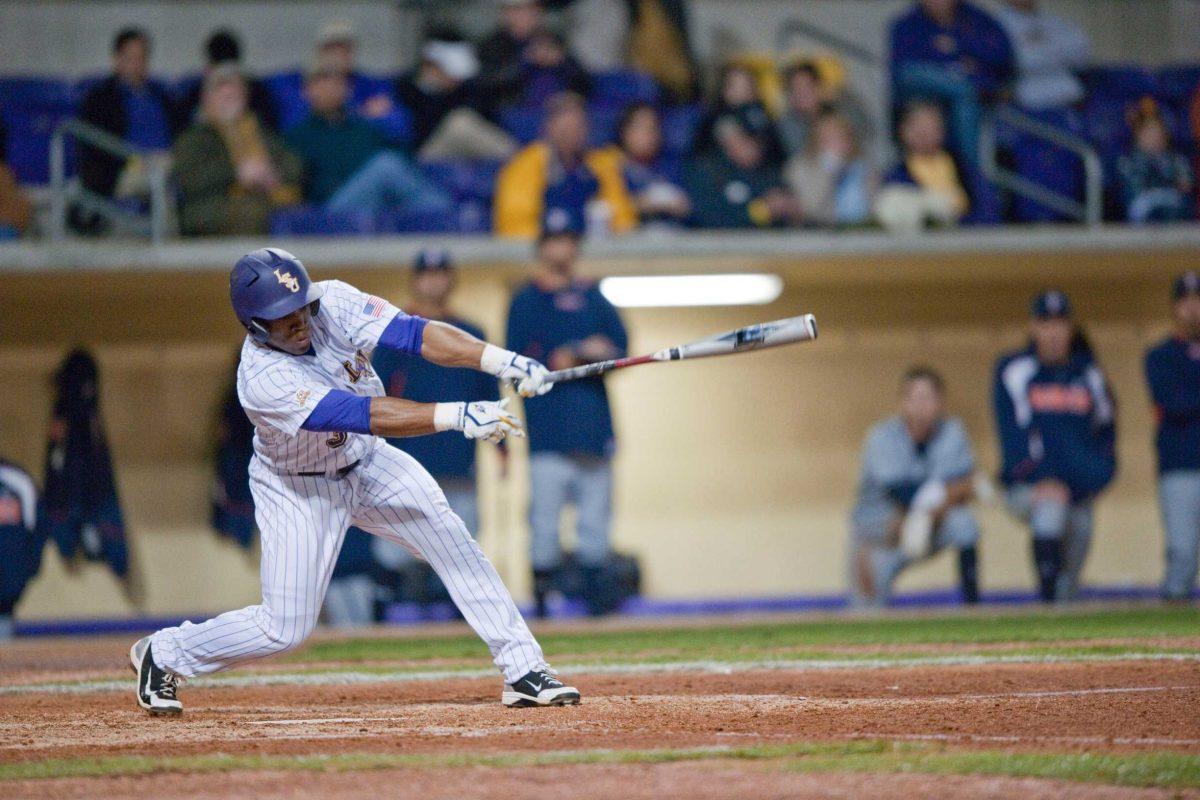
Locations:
{"points": [[959, 528], [398, 499]]}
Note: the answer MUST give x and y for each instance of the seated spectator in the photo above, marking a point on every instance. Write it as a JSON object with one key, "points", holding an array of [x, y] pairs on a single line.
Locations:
{"points": [[1156, 182], [447, 118], [833, 182], [956, 53], [231, 171], [337, 45], [1047, 49], [928, 185], [224, 48], [559, 172], [651, 177], [1194, 119], [16, 211], [130, 105], [348, 167], [737, 92], [523, 63], [915, 482], [807, 95], [737, 186]]}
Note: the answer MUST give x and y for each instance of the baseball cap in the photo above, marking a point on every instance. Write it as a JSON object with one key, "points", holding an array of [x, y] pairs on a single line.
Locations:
{"points": [[336, 31], [432, 259], [1051, 304], [561, 221], [1187, 283], [322, 67]]}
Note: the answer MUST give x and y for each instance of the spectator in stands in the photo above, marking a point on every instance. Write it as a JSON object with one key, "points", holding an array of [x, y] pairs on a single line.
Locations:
{"points": [[1056, 421], [653, 179], [956, 53], [523, 62], [833, 182], [131, 106], [1047, 49], [1156, 181], [348, 167], [564, 321], [560, 172], [914, 485], [371, 98], [16, 211], [231, 170], [1173, 373], [928, 185], [737, 93], [738, 186], [221, 49], [447, 109], [808, 95]]}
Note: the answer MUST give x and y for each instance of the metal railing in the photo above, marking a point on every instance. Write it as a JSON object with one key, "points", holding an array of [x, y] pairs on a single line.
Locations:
{"points": [[65, 194], [1090, 211]]}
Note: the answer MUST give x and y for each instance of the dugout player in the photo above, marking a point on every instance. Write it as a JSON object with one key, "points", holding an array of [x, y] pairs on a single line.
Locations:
{"points": [[913, 490], [565, 321], [1173, 372], [320, 465], [20, 541], [1056, 420]]}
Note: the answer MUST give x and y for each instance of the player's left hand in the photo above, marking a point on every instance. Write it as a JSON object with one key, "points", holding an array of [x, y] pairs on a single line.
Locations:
{"points": [[490, 420], [528, 375]]}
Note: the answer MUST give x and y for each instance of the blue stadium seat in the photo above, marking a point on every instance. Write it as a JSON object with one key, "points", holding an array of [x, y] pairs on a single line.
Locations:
{"points": [[313, 221], [603, 121], [620, 87], [31, 109], [679, 126], [1106, 122], [523, 123], [465, 179], [469, 217], [1124, 81], [183, 87], [288, 90], [1177, 84]]}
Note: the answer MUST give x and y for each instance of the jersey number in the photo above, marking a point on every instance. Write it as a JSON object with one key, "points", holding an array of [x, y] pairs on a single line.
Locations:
{"points": [[337, 440]]}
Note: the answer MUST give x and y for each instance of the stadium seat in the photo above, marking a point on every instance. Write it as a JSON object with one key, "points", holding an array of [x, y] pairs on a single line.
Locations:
{"points": [[470, 217], [31, 109], [621, 87], [603, 121], [1106, 124], [1177, 84], [679, 126], [523, 123], [313, 221], [465, 179], [288, 90], [1123, 81]]}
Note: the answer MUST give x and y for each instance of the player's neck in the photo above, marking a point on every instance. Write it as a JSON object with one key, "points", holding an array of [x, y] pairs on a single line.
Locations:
{"points": [[552, 280]]}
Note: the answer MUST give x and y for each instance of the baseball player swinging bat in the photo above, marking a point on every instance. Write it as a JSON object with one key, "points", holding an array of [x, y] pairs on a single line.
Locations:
{"points": [[752, 337]]}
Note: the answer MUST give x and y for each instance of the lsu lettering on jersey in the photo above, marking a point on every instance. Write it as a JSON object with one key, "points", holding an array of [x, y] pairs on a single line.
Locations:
{"points": [[279, 390]]}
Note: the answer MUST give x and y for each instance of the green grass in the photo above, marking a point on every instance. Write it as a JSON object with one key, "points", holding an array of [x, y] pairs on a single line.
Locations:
{"points": [[1163, 769], [1047, 633]]}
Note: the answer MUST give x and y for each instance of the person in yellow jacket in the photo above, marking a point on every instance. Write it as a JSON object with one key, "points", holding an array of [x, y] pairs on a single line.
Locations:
{"points": [[558, 171]]}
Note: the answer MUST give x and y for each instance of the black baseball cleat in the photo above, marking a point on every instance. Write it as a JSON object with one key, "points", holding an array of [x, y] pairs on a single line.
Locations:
{"points": [[539, 688], [155, 687]]}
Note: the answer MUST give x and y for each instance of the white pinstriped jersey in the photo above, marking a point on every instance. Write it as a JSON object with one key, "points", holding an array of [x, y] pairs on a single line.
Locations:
{"points": [[279, 390]]}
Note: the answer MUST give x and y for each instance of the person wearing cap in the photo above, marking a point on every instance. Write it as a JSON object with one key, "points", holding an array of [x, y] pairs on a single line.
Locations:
{"points": [[349, 166], [1173, 373], [371, 98], [1056, 421], [443, 93], [223, 48], [567, 321], [738, 186], [560, 171], [231, 170]]}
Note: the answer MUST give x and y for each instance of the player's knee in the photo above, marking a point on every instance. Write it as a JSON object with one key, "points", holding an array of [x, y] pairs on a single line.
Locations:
{"points": [[960, 528], [287, 633]]}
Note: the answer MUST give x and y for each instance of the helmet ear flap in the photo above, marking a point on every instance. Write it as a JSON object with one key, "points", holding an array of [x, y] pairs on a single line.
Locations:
{"points": [[314, 306], [258, 331]]}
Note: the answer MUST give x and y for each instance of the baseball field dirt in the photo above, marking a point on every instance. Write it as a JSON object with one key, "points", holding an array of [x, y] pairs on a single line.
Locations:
{"points": [[1092, 703]]}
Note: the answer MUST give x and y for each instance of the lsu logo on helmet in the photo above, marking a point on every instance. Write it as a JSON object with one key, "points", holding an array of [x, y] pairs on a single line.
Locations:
{"points": [[288, 280]]}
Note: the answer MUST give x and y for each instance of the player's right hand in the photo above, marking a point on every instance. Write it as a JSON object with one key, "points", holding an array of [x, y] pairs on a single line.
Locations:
{"points": [[489, 420]]}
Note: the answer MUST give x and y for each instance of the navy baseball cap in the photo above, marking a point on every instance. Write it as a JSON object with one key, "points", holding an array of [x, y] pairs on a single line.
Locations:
{"points": [[431, 259], [1051, 304], [1185, 284], [561, 221]]}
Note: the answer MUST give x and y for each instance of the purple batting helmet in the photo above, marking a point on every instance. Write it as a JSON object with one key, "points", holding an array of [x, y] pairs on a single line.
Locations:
{"points": [[267, 284]]}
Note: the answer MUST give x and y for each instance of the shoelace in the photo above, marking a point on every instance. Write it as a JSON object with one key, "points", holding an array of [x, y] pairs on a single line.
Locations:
{"points": [[170, 683]]}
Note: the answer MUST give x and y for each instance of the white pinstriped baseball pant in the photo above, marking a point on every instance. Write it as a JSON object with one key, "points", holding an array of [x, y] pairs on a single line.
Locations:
{"points": [[303, 520]]}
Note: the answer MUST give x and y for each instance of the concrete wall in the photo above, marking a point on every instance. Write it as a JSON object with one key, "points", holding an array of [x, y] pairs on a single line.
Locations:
{"points": [[734, 476]]}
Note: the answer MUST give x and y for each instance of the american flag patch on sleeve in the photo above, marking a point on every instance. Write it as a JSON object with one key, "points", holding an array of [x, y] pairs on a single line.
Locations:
{"points": [[375, 306]]}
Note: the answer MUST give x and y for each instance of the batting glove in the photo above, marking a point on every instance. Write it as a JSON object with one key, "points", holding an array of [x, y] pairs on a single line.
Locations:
{"points": [[528, 375], [485, 419]]}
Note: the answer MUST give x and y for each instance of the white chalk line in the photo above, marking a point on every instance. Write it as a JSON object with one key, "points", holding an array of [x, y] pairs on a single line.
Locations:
{"points": [[353, 677]]}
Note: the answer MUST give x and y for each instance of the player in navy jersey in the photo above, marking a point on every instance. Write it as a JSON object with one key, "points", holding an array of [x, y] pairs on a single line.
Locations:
{"points": [[1056, 420], [1173, 372]]}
